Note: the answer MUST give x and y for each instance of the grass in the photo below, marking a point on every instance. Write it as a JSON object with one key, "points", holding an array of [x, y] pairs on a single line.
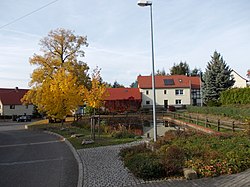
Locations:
{"points": [[105, 139]]}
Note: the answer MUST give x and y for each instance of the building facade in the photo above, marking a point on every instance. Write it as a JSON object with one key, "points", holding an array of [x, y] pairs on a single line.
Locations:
{"points": [[10, 102], [240, 82], [172, 90]]}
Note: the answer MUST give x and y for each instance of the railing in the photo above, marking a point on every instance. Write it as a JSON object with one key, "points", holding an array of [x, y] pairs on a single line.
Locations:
{"points": [[215, 124]]}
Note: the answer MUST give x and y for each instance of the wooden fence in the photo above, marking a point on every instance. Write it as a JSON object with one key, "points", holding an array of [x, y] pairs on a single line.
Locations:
{"points": [[216, 124]]}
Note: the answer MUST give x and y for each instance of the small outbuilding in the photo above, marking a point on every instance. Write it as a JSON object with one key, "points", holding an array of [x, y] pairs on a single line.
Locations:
{"points": [[123, 100]]}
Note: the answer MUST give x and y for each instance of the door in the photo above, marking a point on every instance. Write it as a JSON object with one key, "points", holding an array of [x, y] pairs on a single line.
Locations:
{"points": [[166, 104]]}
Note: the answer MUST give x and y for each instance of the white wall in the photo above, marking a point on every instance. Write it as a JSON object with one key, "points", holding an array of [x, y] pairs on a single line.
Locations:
{"points": [[170, 96], [19, 110], [1, 108], [239, 81]]}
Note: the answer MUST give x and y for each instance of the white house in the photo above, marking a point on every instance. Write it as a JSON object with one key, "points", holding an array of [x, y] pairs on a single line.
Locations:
{"points": [[172, 90], [10, 102], [240, 82]]}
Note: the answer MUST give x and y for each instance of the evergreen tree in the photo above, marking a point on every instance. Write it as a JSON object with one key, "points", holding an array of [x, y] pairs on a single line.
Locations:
{"points": [[217, 78], [180, 69], [161, 72]]}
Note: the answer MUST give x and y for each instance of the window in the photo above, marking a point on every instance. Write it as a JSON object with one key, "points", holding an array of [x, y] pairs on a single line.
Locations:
{"points": [[196, 94], [147, 92], [178, 92], [168, 82], [178, 102], [165, 92], [147, 102], [12, 106]]}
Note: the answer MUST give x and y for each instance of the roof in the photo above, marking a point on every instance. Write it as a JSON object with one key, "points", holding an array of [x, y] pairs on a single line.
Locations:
{"points": [[169, 81], [12, 96], [123, 94]]}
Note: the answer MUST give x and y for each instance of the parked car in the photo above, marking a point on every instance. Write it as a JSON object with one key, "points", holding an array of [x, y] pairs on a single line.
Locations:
{"points": [[23, 119]]}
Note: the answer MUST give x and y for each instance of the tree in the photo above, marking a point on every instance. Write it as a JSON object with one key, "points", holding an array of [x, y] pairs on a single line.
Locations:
{"points": [[196, 72], [117, 85], [248, 74], [217, 78], [96, 95], [59, 74], [161, 72], [180, 69]]}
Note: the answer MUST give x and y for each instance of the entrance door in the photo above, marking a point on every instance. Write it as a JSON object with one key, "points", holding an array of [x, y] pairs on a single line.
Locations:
{"points": [[166, 104]]}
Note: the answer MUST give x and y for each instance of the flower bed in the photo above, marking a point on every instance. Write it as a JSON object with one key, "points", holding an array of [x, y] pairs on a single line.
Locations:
{"points": [[208, 155]]}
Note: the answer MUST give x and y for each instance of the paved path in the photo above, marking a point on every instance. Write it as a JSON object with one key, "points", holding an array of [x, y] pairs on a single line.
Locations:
{"points": [[29, 159], [103, 168]]}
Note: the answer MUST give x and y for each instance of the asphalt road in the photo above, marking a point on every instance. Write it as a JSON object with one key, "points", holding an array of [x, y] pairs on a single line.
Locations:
{"points": [[34, 159]]}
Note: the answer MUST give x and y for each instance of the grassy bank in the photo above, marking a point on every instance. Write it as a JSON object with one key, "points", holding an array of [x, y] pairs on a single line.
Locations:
{"points": [[237, 112], [83, 133]]}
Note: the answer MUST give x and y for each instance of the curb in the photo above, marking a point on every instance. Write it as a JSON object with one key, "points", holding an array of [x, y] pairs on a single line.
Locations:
{"points": [[76, 155]]}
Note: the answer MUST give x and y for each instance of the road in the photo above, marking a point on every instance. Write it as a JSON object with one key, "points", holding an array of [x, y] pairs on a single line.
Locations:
{"points": [[34, 159]]}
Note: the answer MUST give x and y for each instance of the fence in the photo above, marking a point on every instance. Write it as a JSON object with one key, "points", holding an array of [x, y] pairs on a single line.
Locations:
{"points": [[216, 124]]}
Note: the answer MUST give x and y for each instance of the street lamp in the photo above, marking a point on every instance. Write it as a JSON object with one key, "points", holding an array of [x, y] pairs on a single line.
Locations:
{"points": [[144, 3]]}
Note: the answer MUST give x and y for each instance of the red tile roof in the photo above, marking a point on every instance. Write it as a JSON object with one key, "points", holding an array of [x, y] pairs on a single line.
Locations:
{"points": [[180, 81], [12, 96], [123, 94]]}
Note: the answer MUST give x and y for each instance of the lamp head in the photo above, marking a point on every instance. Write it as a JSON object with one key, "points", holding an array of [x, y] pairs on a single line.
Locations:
{"points": [[143, 3]]}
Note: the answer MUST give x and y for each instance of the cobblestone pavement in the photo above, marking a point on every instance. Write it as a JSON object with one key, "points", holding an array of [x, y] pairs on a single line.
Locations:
{"points": [[103, 168]]}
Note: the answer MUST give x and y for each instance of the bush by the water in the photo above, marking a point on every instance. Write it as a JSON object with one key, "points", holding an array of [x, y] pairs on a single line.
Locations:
{"points": [[208, 155]]}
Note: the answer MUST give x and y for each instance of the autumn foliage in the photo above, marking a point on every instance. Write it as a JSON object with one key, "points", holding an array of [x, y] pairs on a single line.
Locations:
{"points": [[60, 77]]}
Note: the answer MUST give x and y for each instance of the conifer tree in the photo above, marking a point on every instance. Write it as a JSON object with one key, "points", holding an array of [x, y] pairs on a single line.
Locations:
{"points": [[217, 78]]}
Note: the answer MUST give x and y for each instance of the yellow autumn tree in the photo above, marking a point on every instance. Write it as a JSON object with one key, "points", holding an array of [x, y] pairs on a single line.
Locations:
{"points": [[95, 96], [60, 76]]}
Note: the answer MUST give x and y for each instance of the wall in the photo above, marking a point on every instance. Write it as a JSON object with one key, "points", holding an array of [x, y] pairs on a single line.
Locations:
{"points": [[1, 108], [19, 110], [240, 82], [170, 96]]}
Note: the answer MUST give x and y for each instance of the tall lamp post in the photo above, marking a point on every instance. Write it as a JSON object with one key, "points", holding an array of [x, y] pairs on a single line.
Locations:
{"points": [[144, 3]]}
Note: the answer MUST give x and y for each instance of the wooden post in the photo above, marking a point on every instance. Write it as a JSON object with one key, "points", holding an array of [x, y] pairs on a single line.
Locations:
{"points": [[218, 125], [206, 122], [233, 126], [91, 127]]}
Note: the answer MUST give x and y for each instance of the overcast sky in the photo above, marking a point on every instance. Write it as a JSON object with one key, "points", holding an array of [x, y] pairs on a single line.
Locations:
{"points": [[118, 33]]}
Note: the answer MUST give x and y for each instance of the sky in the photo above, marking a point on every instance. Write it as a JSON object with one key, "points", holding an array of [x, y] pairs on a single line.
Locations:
{"points": [[118, 33]]}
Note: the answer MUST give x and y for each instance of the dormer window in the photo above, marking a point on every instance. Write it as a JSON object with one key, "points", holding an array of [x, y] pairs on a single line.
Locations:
{"points": [[168, 82]]}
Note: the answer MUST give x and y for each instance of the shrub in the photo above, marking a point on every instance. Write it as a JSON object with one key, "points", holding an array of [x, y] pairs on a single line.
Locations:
{"points": [[173, 160], [129, 151], [145, 166], [123, 134]]}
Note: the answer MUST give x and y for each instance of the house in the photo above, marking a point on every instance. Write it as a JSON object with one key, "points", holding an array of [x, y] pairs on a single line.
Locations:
{"points": [[170, 90], [123, 99], [240, 82], [10, 102]]}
